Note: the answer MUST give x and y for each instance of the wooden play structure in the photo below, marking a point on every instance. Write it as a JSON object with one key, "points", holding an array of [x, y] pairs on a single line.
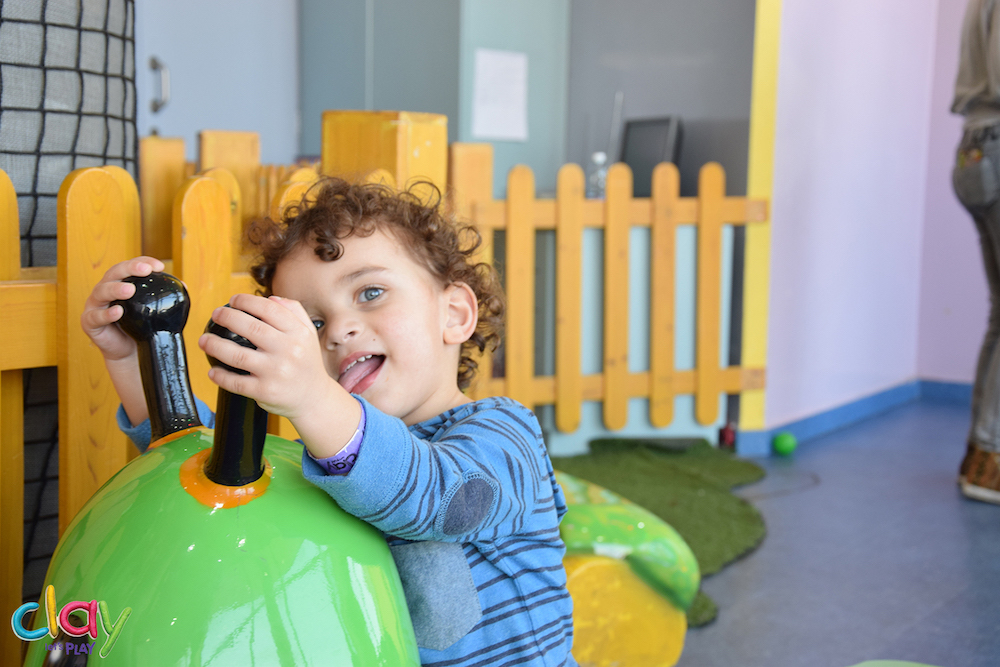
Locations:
{"points": [[195, 222]]}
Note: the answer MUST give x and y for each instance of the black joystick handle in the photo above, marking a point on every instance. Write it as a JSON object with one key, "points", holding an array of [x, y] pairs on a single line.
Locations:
{"points": [[240, 427], [154, 317]]}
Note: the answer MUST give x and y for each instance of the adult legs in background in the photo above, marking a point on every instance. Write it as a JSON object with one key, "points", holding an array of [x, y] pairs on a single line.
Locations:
{"points": [[976, 179], [983, 433]]}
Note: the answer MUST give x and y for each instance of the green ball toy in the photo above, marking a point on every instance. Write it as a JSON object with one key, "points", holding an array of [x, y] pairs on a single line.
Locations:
{"points": [[784, 443]]}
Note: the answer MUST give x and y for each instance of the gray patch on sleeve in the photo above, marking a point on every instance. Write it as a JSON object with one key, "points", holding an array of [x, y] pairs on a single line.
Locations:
{"points": [[468, 507], [440, 593]]}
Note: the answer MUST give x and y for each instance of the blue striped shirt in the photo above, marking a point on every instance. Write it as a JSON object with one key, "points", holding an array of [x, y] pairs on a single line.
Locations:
{"points": [[467, 497]]}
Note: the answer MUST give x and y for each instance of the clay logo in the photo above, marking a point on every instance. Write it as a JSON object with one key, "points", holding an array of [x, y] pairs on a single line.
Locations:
{"points": [[96, 612]]}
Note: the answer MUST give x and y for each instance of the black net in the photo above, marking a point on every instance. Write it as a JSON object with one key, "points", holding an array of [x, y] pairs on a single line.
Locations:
{"points": [[41, 477], [67, 100]]}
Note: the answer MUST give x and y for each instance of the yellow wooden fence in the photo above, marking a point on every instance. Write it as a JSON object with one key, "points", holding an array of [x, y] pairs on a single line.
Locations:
{"points": [[521, 215], [99, 224], [163, 166]]}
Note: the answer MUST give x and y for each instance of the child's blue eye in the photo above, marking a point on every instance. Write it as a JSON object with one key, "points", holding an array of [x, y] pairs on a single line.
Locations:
{"points": [[318, 324], [371, 293]]}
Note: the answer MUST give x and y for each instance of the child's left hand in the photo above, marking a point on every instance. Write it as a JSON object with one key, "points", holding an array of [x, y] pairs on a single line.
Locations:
{"points": [[287, 374]]}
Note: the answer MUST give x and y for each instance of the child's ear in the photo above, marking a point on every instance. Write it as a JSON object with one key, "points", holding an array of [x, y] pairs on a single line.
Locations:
{"points": [[462, 315]]}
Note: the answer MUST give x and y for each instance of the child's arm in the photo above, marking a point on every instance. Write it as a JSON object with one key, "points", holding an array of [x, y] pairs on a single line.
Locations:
{"points": [[119, 350], [287, 376], [488, 477]]}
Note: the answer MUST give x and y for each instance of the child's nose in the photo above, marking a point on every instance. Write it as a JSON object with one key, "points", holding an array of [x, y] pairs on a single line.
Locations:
{"points": [[340, 333]]}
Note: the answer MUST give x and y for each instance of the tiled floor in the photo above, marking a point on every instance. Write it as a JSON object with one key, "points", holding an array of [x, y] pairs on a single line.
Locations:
{"points": [[871, 553]]}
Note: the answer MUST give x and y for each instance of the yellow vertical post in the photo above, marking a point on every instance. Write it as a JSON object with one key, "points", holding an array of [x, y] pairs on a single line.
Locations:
{"points": [[10, 231], [410, 146], [225, 178], [308, 175], [11, 441], [666, 191], [133, 209], [239, 152], [519, 271], [617, 204], [471, 183], [288, 194], [161, 172], [203, 259], [97, 227], [380, 177], [760, 181], [711, 192], [133, 232], [270, 179], [11, 505], [569, 296]]}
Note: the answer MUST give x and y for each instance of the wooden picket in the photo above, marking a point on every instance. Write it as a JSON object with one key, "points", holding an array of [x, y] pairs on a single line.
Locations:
{"points": [[666, 192], [569, 287], [237, 152], [162, 170], [519, 272], [711, 194], [11, 427], [203, 259], [98, 226], [616, 247]]}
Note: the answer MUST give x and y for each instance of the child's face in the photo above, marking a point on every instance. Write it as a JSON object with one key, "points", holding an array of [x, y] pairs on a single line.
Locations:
{"points": [[382, 321]]}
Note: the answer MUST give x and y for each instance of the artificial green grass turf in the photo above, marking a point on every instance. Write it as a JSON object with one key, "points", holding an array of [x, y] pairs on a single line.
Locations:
{"points": [[687, 484]]}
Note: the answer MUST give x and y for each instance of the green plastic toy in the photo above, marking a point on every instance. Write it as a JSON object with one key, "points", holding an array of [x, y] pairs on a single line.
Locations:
{"points": [[601, 522], [211, 548]]}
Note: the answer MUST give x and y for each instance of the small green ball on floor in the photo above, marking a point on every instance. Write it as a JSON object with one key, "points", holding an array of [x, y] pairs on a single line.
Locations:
{"points": [[784, 443]]}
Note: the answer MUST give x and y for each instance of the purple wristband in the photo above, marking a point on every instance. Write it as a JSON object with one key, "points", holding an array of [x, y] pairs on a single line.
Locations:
{"points": [[342, 462]]}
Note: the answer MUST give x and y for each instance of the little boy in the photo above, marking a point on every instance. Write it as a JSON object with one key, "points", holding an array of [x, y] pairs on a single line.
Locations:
{"points": [[463, 491]]}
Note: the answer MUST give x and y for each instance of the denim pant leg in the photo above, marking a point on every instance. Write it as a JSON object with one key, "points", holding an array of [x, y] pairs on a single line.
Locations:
{"points": [[982, 199], [985, 430]]}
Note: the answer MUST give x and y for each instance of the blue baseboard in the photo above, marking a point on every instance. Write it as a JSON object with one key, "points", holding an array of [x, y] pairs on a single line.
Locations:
{"points": [[946, 392], [758, 443]]}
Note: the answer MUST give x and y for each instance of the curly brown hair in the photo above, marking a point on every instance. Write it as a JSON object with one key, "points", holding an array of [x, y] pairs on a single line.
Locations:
{"points": [[334, 209]]}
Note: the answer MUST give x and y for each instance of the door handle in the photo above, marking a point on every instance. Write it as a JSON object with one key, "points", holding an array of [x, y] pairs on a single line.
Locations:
{"points": [[158, 65]]}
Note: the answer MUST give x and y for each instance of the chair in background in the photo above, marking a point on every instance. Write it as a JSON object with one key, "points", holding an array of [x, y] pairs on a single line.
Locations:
{"points": [[645, 144]]}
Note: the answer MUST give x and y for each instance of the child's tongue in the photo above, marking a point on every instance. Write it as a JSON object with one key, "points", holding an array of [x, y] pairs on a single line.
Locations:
{"points": [[356, 373]]}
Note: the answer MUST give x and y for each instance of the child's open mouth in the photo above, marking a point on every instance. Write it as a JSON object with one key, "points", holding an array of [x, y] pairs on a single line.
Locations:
{"points": [[361, 373]]}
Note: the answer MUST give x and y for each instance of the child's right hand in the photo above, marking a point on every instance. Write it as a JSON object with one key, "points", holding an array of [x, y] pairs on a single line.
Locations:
{"points": [[99, 316]]}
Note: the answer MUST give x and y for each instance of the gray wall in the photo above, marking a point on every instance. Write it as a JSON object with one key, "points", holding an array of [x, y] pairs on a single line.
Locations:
{"points": [[417, 57], [331, 53], [414, 51], [232, 68], [669, 57]]}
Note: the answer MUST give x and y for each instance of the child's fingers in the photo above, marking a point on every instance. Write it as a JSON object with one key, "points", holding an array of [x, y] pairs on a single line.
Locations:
{"points": [[234, 383], [230, 353], [111, 288], [137, 266], [105, 293], [257, 331], [296, 308], [95, 318], [266, 310]]}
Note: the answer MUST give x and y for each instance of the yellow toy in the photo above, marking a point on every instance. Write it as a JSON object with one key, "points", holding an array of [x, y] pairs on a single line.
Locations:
{"points": [[632, 578]]}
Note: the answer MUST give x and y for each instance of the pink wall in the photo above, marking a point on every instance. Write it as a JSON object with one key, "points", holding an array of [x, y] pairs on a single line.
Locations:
{"points": [[953, 295], [852, 139]]}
